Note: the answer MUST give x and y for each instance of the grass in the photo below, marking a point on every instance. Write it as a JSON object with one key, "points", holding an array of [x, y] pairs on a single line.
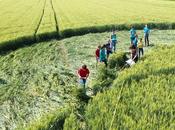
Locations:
{"points": [[81, 13], [54, 120], [47, 19], [19, 18], [142, 97], [40, 79]]}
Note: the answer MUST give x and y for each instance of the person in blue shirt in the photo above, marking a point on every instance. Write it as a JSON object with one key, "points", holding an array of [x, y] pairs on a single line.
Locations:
{"points": [[135, 41], [103, 56], [146, 31], [114, 40], [132, 34]]}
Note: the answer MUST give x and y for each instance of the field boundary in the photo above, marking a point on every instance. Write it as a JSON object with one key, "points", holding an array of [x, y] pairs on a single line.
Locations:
{"points": [[32, 39]]}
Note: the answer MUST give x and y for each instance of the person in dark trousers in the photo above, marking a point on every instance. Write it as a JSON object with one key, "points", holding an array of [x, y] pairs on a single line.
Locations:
{"points": [[134, 53], [132, 34], [114, 41], [97, 54], [146, 31], [109, 48], [140, 46], [103, 56], [135, 41], [83, 74]]}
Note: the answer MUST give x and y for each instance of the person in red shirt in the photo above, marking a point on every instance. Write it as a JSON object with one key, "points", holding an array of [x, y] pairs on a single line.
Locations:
{"points": [[83, 74], [97, 54]]}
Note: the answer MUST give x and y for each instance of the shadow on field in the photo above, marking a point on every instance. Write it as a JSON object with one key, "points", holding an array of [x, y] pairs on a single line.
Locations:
{"points": [[11, 45]]}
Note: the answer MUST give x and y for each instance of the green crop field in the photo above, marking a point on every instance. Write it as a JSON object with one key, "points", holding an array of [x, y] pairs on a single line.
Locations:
{"points": [[39, 87], [40, 79], [42, 19], [84, 13], [19, 18], [142, 97]]}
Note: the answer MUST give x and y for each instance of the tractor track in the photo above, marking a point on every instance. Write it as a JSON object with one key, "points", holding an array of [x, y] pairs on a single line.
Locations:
{"points": [[55, 17], [41, 18]]}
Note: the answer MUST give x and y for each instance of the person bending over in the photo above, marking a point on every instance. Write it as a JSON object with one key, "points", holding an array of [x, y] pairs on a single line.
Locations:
{"points": [[134, 53]]}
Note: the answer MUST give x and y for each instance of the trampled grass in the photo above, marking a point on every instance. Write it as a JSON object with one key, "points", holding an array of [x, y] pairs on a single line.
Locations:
{"points": [[40, 79]]}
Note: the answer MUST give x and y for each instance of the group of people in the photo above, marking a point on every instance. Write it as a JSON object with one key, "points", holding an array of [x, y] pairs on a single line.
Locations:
{"points": [[102, 52], [136, 45]]}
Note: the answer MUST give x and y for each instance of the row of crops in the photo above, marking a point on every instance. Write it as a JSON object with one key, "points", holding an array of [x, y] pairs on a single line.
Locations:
{"points": [[36, 20], [142, 97]]}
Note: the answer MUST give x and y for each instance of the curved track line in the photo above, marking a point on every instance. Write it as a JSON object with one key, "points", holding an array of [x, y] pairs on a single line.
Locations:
{"points": [[55, 16], [41, 18]]}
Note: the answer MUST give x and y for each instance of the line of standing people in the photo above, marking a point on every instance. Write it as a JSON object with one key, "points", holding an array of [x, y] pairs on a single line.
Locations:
{"points": [[102, 52], [136, 46]]}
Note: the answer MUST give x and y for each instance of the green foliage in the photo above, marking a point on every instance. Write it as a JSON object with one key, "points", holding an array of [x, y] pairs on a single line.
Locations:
{"points": [[117, 60], [52, 121], [102, 80], [106, 75], [142, 97], [80, 94], [71, 122]]}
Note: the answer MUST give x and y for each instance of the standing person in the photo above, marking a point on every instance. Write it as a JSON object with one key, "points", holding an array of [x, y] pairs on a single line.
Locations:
{"points": [[134, 53], [135, 41], [109, 48], [103, 57], [132, 34], [146, 31], [97, 54], [140, 46], [83, 74], [114, 40]]}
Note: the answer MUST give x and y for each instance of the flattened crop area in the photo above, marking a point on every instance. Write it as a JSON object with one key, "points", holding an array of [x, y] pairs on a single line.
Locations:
{"points": [[40, 79]]}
